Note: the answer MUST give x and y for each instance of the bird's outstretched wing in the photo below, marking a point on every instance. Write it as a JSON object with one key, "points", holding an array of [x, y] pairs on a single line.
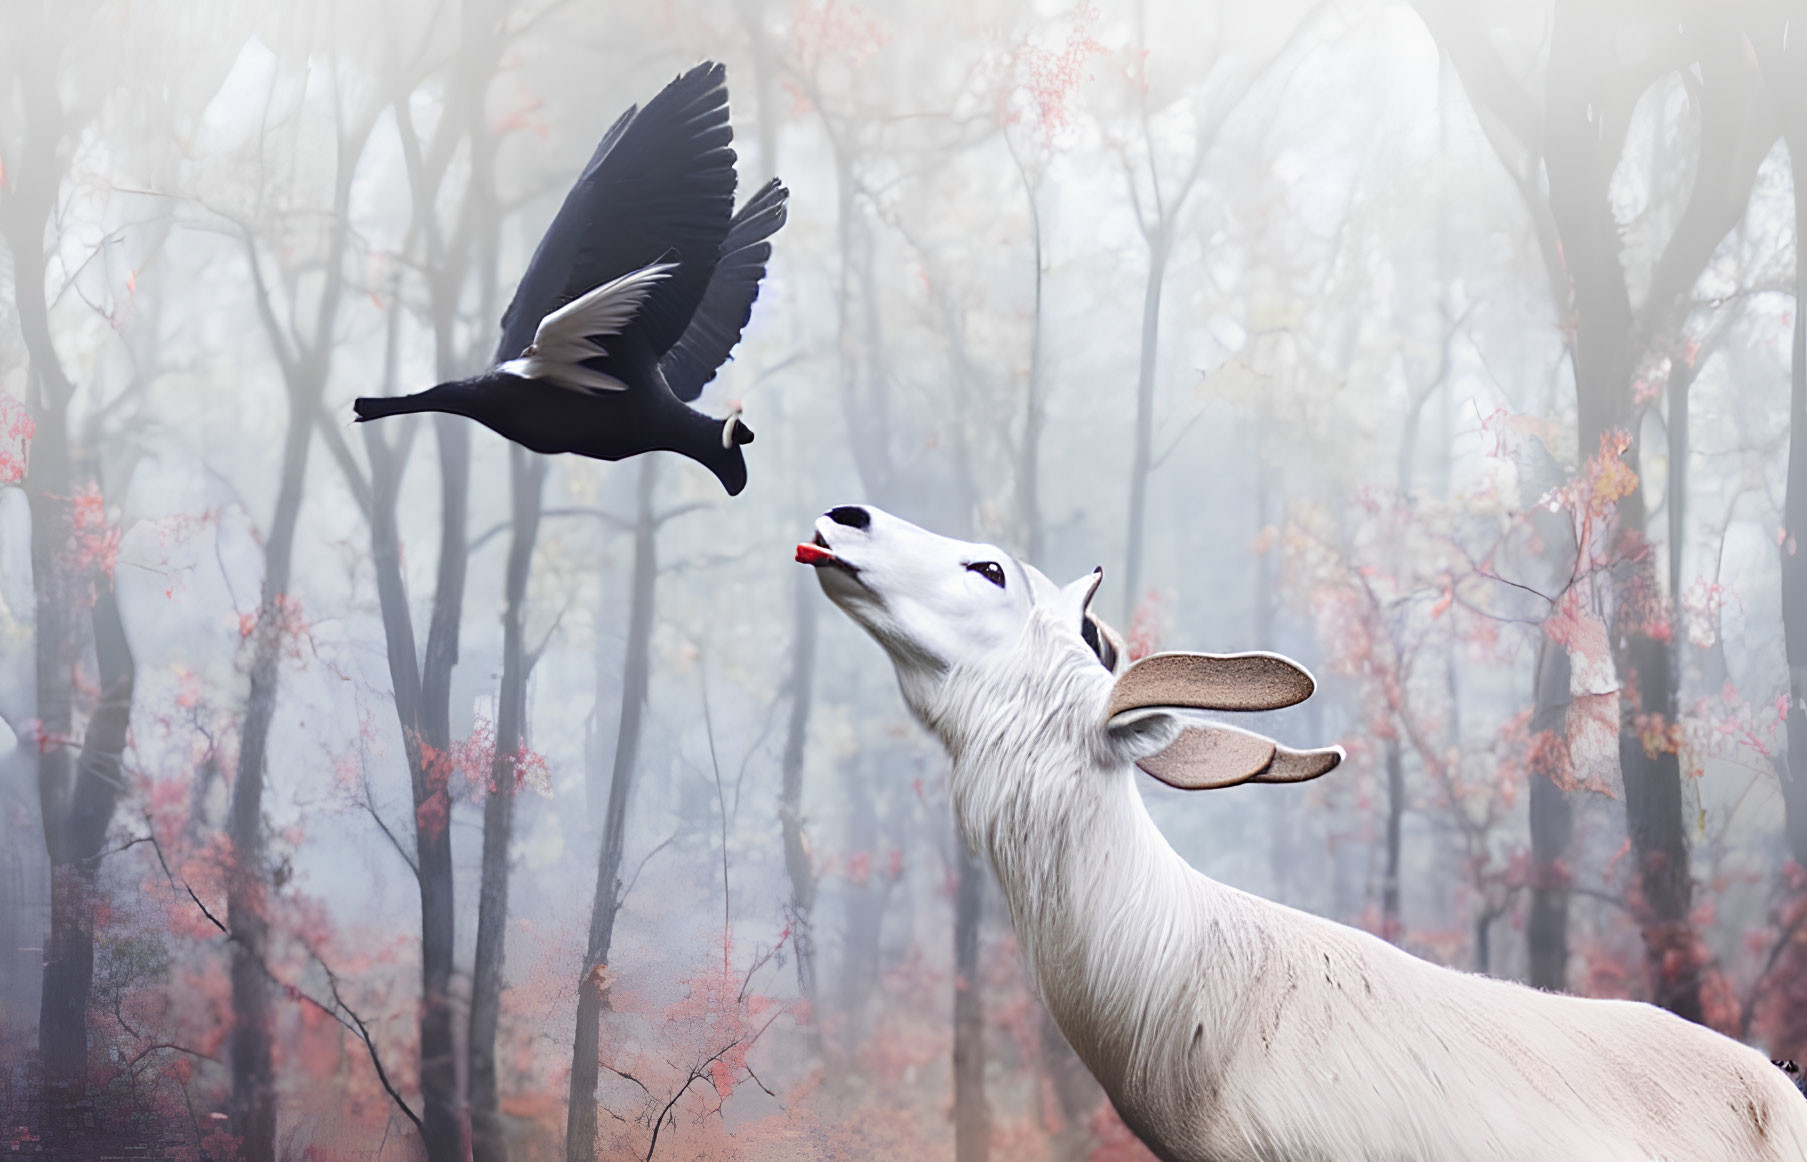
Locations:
{"points": [[662, 179], [569, 336], [727, 305]]}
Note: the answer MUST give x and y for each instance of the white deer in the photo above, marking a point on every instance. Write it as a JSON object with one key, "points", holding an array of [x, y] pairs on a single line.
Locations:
{"points": [[1225, 1027]]}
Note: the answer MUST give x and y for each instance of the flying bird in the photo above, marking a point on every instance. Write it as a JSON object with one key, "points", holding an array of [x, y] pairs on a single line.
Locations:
{"points": [[635, 297]]}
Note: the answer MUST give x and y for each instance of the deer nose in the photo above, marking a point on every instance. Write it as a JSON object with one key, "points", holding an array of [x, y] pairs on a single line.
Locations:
{"points": [[851, 515]]}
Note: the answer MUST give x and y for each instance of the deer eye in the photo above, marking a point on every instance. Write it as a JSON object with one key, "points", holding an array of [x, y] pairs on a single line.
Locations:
{"points": [[989, 570]]}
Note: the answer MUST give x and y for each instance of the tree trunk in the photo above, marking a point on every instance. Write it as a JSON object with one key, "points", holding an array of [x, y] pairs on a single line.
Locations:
{"points": [[1282, 857], [1389, 884], [972, 1116], [1142, 459], [1602, 356], [1653, 778], [805, 606], [527, 475], [446, 1130], [864, 403], [1028, 466], [797, 861], [1794, 521], [69, 951], [592, 987], [68, 977], [247, 902], [74, 835], [429, 772], [423, 685], [306, 364], [1675, 494], [1552, 823], [765, 89], [862, 905], [73, 808]]}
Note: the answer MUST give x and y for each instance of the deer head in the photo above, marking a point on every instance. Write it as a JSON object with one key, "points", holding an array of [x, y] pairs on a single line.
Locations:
{"points": [[945, 610]]}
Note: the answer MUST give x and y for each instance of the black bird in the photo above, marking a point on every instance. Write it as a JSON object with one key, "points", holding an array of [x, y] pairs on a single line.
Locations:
{"points": [[635, 296]]}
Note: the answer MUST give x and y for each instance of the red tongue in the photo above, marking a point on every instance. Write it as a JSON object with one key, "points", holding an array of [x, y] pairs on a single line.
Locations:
{"points": [[808, 554]]}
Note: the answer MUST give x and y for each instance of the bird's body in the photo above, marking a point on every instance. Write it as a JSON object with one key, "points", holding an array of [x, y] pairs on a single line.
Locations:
{"points": [[635, 296], [549, 418]]}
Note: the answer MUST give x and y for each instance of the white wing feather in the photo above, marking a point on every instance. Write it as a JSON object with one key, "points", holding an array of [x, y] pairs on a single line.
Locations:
{"points": [[566, 337]]}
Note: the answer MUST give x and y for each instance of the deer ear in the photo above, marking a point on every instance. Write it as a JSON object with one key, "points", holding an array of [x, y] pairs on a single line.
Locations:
{"points": [[1255, 681], [1104, 641], [1076, 596], [1208, 757], [1204, 756], [1301, 766], [1075, 601]]}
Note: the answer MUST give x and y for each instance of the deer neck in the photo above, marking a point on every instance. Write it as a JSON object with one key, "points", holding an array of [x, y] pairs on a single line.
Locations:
{"points": [[1117, 931]]}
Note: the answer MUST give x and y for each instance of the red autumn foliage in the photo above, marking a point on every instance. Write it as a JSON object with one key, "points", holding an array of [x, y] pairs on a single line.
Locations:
{"points": [[1146, 625], [1043, 79], [689, 1056], [473, 760], [523, 116], [1592, 495], [835, 32], [16, 431]]}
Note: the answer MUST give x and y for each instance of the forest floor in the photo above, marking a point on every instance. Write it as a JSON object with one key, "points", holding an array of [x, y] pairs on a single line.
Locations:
{"points": [[97, 1128]]}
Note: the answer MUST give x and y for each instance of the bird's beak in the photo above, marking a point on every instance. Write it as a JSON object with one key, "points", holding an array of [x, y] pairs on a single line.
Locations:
{"points": [[734, 431]]}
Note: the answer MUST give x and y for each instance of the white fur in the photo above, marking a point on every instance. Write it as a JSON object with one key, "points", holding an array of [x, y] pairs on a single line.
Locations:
{"points": [[1224, 1027]]}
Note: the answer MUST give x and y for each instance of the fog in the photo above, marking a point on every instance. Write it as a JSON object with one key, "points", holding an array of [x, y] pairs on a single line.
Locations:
{"points": [[1446, 348]]}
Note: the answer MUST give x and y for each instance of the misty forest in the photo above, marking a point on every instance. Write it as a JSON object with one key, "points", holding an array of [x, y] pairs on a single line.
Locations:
{"points": [[388, 791]]}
